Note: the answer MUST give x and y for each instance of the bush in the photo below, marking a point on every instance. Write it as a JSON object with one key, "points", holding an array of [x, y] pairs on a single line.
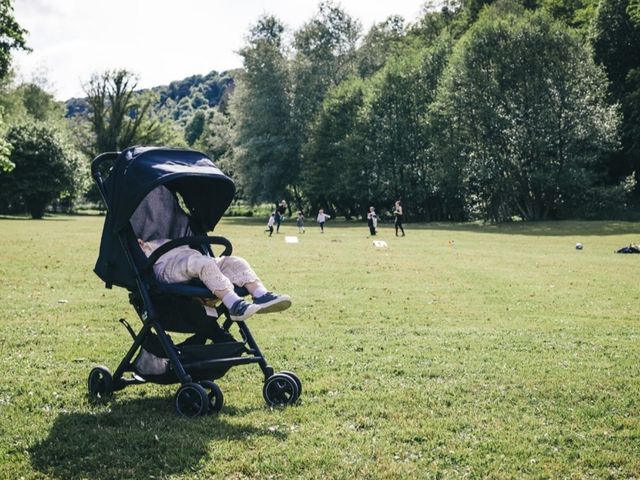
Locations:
{"points": [[46, 169]]}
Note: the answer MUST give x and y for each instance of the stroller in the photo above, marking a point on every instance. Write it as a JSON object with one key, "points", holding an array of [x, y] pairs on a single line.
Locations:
{"points": [[150, 193]]}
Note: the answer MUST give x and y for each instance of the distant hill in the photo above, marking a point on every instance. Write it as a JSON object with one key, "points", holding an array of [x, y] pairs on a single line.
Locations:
{"points": [[181, 98]]}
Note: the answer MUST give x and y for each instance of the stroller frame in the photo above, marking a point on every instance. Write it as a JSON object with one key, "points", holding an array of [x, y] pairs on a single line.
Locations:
{"points": [[193, 366]]}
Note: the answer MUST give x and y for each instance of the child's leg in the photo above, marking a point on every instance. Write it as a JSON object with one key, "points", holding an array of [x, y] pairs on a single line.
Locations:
{"points": [[207, 270], [240, 273]]}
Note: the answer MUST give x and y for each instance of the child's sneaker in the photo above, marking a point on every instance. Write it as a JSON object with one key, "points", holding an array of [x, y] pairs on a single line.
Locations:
{"points": [[271, 302], [242, 310]]}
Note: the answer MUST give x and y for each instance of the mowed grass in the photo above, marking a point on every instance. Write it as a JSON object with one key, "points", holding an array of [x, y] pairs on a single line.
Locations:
{"points": [[507, 355]]}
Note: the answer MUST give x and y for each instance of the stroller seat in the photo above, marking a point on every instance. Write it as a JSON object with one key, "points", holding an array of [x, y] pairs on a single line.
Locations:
{"points": [[154, 193]]}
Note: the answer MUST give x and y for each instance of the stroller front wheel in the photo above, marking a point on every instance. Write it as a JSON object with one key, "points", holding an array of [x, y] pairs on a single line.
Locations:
{"points": [[280, 389], [295, 379], [191, 400], [100, 384]]}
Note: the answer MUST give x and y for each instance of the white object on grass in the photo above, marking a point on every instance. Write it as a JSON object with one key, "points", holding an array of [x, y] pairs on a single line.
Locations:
{"points": [[290, 239], [579, 246], [380, 244]]}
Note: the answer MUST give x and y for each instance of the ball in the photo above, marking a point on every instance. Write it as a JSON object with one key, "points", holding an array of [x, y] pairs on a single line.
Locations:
{"points": [[579, 246]]}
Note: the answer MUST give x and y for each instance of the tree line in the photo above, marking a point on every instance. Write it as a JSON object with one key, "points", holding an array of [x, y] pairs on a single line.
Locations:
{"points": [[480, 109]]}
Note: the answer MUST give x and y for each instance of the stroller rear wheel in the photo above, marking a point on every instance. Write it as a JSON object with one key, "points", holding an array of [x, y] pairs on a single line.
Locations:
{"points": [[280, 389], [216, 398], [100, 384], [295, 379], [191, 400]]}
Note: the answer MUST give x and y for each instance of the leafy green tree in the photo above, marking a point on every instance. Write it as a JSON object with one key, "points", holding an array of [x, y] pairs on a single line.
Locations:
{"points": [[39, 104], [28, 102], [195, 127], [381, 41], [437, 18], [260, 108], [398, 137], [12, 37], [525, 115], [335, 167], [118, 117], [325, 55], [217, 141], [634, 11], [6, 165], [616, 44], [574, 13], [46, 169]]}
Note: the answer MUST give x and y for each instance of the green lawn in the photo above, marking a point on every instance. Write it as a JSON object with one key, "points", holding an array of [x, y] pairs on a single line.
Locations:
{"points": [[507, 355]]}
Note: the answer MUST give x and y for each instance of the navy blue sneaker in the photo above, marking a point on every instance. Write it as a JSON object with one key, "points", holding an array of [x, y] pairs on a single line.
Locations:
{"points": [[242, 310], [271, 302]]}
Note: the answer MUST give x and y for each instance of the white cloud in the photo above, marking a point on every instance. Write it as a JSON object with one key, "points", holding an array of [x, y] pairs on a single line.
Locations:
{"points": [[160, 40]]}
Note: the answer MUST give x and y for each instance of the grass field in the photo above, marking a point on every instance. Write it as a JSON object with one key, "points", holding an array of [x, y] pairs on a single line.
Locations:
{"points": [[507, 355]]}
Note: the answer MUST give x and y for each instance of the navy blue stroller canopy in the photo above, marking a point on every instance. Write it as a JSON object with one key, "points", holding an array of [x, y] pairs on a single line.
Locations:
{"points": [[136, 172]]}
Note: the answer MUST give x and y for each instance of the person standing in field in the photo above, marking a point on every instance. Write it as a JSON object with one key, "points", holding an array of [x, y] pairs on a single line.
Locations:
{"points": [[372, 220], [300, 222], [280, 211], [321, 218], [397, 213]]}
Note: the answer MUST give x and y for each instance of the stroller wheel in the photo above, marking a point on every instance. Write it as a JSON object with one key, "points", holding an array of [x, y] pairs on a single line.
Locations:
{"points": [[295, 379], [100, 384], [191, 400], [216, 398], [280, 389]]}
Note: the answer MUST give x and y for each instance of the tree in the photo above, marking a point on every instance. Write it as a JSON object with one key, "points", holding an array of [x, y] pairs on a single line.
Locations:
{"points": [[616, 45], [398, 138], [46, 168], [335, 173], [325, 55], [39, 104], [6, 165], [118, 117], [260, 108], [381, 41], [12, 37], [217, 141], [27, 102], [195, 127], [525, 114]]}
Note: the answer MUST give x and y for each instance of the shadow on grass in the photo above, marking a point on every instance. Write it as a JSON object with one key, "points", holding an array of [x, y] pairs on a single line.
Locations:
{"points": [[53, 217], [46, 218], [137, 439]]}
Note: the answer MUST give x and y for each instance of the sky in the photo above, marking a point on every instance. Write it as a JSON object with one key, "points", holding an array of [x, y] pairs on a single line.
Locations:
{"points": [[159, 40]]}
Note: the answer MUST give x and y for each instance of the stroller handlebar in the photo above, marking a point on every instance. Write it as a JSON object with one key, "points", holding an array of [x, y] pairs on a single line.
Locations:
{"points": [[100, 159], [194, 240], [97, 176]]}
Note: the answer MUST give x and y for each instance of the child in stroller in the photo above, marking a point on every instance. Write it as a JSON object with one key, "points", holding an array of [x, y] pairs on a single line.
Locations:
{"points": [[220, 275], [159, 251]]}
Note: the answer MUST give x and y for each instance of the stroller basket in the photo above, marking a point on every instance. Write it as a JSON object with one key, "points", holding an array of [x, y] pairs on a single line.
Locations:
{"points": [[205, 362]]}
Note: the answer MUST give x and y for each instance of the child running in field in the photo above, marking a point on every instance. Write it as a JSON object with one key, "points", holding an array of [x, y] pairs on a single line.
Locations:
{"points": [[321, 218], [300, 222], [270, 223], [219, 274]]}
